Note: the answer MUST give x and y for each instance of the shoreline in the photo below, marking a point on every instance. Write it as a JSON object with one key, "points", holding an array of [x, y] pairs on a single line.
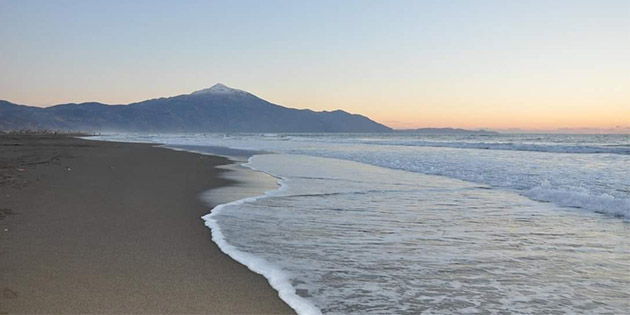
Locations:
{"points": [[107, 227], [276, 277]]}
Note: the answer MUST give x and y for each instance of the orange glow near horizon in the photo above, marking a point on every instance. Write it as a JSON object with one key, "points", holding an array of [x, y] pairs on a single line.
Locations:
{"points": [[405, 110], [407, 64]]}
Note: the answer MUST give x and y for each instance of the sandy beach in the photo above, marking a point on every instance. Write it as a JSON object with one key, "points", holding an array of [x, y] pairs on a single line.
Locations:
{"points": [[101, 227]]}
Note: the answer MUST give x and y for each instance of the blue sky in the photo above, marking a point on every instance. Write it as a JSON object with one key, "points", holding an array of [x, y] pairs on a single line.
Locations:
{"points": [[406, 63]]}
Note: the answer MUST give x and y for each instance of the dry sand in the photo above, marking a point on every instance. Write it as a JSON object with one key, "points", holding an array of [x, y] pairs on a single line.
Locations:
{"points": [[98, 227]]}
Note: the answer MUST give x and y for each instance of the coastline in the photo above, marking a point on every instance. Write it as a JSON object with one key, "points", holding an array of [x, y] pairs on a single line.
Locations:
{"points": [[104, 227], [240, 194]]}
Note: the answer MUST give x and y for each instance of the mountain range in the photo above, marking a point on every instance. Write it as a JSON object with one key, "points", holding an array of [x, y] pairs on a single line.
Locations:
{"points": [[216, 109]]}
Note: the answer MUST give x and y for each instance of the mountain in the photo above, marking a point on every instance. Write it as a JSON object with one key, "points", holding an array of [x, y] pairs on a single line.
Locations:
{"points": [[448, 131], [216, 109]]}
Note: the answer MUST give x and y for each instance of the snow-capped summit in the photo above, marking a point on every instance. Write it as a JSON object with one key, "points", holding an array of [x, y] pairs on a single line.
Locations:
{"points": [[216, 109], [217, 89]]}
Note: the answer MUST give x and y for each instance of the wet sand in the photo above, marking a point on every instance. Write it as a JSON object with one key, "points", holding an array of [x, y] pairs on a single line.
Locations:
{"points": [[100, 227]]}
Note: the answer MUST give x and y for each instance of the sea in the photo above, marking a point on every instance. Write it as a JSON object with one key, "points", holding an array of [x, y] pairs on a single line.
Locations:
{"points": [[404, 223]]}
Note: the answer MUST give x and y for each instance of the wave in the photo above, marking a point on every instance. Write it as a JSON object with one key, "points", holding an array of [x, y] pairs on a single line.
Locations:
{"points": [[587, 181], [356, 254], [510, 146], [580, 198], [542, 186], [276, 277]]}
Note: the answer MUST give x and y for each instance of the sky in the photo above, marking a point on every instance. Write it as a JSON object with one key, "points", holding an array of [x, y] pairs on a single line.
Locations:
{"points": [[469, 64]]}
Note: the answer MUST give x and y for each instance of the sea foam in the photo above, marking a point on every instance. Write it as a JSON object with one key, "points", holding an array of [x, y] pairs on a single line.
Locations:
{"points": [[581, 171], [581, 198], [277, 278], [353, 238]]}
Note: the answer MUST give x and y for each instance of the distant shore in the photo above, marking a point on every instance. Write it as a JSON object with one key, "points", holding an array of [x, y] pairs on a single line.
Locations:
{"points": [[102, 227]]}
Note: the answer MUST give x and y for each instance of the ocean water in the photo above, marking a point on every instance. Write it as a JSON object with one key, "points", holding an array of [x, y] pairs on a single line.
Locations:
{"points": [[589, 172], [406, 223]]}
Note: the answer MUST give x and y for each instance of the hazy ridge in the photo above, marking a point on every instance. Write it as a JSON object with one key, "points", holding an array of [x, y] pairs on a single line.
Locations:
{"points": [[216, 109]]}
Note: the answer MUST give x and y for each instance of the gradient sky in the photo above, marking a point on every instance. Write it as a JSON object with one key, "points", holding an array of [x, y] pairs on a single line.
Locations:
{"points": [[470, 64]]}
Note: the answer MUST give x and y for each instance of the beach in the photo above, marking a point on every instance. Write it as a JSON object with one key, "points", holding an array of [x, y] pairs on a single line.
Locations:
{"points": [[104, 227], [406, 223]]}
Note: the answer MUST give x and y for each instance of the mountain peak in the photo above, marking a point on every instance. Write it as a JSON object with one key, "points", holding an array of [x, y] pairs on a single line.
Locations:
{"points": [[215, 109], [218, 88]]}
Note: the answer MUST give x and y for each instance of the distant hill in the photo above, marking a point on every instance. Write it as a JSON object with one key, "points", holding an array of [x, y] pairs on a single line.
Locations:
{"points": [[448, 131], [216, 109]]}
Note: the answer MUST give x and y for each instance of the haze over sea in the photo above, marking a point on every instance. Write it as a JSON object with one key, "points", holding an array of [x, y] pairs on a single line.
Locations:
{"points": [[403, 222]]}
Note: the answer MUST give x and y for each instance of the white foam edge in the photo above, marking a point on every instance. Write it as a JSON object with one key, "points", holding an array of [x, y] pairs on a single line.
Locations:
{"points": [[603, 204], [278, 279]]}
